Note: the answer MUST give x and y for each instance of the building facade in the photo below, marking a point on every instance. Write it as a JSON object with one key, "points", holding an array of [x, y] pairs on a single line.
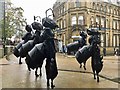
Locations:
{"points": [[73, 17]]}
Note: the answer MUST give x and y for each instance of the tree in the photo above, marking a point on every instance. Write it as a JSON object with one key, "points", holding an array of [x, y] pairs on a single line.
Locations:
{"points": [[14, 20]]}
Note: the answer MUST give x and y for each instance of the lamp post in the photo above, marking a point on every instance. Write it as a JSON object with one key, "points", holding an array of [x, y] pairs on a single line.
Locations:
{"points": [[4, 36]]}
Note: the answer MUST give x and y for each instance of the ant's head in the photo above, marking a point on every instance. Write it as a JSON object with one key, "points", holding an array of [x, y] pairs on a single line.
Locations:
{"points": [[28, 28]]}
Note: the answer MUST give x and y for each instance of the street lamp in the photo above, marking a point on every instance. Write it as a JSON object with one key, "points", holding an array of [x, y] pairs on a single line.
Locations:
{"points": [[4, 36]]}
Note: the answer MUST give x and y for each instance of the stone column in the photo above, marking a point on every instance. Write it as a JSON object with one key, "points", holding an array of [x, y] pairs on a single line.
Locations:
{"points": [[111, 32]]}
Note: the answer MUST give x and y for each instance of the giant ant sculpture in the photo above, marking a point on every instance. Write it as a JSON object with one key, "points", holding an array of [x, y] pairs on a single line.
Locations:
{"points": [[43, 50], [93, 51]]}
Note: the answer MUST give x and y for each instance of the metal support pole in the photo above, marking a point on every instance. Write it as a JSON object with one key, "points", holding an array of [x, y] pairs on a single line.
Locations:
{"points": [[4, 36]]}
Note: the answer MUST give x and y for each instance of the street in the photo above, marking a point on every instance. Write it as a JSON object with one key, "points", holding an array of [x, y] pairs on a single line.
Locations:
{"points": [[69, 74]]}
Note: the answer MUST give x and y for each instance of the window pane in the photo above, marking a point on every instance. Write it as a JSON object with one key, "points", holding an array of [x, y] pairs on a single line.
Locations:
{"points": [[92, 20], [80, 20], [73, 20], [77, 3], [97, 20], [102, 21]]}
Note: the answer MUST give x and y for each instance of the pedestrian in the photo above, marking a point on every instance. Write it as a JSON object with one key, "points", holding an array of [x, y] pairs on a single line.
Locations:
{"points": [[117, 52], [114, 50], [104, 51], [63, 48]]}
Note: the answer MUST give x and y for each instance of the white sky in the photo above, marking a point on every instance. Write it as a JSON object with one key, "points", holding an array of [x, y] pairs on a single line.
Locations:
{"points": [[34, 7]]}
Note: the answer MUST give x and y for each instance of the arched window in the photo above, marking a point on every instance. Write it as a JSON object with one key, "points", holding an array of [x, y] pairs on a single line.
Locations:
{"points": [[64, 23], [101, 8], [73, 22], [97, 20], [92, 20], [80, 20], [105, 9], [61, 22], [97, 7], [114, 24], [117, 12], [103, 21], [114, 12], [117, 24], [111, 10]]}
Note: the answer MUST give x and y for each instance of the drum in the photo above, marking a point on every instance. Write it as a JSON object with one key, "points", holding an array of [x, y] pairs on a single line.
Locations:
{"points": [[25, 48], [16, 49], [73, 46], [36, 56], [84, 53]]}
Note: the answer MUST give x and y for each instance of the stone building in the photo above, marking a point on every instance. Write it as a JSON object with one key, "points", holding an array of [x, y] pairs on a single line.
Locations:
{"points": [[74, 16]]}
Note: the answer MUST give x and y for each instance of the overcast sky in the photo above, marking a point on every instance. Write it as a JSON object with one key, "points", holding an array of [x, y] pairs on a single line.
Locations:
{"points": [[36, 7], [33, 7]]}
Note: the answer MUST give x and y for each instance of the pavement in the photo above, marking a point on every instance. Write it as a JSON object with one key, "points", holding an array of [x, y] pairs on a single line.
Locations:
{"points": [[4, 61], [69, 74]]}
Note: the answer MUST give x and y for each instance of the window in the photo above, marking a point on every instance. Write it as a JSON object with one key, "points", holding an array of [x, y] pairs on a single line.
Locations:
{"points": [[81, 20], [114, 41], [64, 9], [114, 24], [107, 39], [97, 20], [77, 3], [111, 11], [92, 20], [60, 10], [101, 8], [97, 7], [61, 24], [118, 24], [117, 12], [102, 40], [107, 23], [73, 22], [105, 9], [114, 12], [64, 23], [102, 21]]}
